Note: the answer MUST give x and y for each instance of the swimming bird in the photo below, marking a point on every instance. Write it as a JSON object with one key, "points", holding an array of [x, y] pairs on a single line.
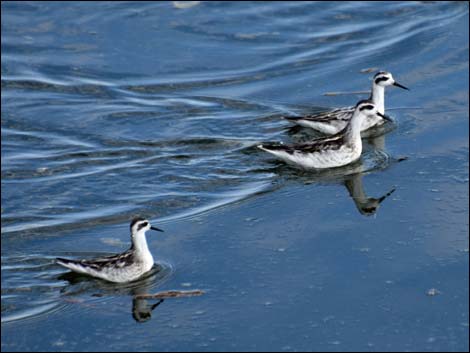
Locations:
{"points": [[125, 267], [334, 151], [333, 121]]}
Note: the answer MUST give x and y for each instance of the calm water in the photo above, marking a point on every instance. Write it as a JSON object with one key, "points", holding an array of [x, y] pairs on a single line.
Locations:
{"points": [[111, 110]]}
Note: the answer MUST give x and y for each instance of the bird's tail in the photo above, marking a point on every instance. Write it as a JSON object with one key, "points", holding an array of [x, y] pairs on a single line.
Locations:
{"points": [[70, 264]]}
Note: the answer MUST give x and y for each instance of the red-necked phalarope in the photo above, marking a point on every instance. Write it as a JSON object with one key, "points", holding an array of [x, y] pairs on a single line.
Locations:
{"points": [[333, 121], [125, 267], [334, 151]]}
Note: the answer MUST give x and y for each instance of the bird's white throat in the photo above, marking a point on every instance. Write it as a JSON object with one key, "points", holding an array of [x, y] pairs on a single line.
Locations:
{"points": [[140, 242], [378, 97]]}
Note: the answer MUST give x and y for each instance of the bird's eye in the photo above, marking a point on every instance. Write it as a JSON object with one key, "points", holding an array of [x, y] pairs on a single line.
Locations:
{"points": [[367, 107]]}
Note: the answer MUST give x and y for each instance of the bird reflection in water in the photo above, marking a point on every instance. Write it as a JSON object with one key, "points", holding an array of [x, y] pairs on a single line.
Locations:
{"points": [[365, 205], [142, 308]]}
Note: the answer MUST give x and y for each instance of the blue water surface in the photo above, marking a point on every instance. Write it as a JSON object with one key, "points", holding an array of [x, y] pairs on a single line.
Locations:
{"points": [[116, 109]]}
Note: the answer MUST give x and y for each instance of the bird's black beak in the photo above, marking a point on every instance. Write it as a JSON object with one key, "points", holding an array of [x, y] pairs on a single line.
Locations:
{"points": [[157, 229], [401, 86], [386, 195], [386, 117]]}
